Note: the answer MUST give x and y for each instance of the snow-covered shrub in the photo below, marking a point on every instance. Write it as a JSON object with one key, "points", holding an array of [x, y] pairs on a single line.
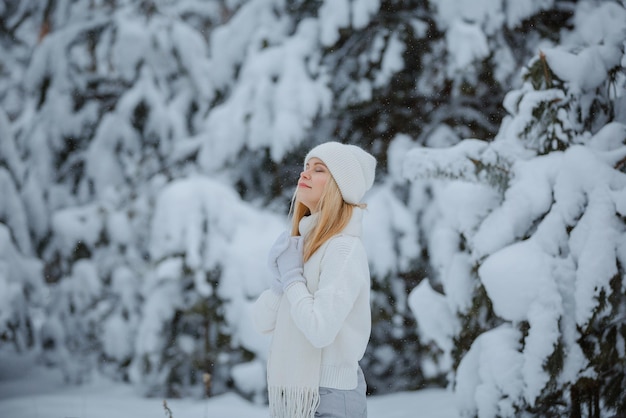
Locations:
{"points": [[205, 244], [531, 273]]}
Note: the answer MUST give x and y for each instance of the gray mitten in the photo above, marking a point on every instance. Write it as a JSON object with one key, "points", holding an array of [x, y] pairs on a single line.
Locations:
{"points": [[280, 245], [290, 263]]}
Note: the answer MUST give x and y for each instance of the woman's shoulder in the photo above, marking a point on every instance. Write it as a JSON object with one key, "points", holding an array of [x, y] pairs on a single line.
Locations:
{"points": [[345, 244], [345, 252]]}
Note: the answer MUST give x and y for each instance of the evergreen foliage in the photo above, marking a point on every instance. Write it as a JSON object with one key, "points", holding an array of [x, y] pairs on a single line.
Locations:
{"points": [[564, 124], [148, 153]]}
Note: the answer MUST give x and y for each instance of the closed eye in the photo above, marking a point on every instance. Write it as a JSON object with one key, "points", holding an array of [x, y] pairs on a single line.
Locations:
{"points": [[319, 167]]}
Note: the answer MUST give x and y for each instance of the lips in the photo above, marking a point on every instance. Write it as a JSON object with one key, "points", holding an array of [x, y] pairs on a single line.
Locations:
{"points": [[304, 185]]}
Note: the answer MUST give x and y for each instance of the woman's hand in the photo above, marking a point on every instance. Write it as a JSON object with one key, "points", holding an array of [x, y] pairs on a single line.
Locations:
{"points": [[290, 263], [280, 245]]}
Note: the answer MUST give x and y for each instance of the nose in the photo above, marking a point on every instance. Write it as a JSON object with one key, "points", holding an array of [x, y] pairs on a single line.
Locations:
{"points": [[304, 174]]}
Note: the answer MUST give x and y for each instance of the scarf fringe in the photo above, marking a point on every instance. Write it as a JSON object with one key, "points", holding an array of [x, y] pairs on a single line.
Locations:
{"points": [[293, 402]]}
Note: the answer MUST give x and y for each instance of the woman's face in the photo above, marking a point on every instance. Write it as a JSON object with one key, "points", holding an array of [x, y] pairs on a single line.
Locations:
{"points": [[312, 182]]}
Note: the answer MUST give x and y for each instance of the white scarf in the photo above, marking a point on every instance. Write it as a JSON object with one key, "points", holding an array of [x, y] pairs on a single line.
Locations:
{"points": [[293, 370]]}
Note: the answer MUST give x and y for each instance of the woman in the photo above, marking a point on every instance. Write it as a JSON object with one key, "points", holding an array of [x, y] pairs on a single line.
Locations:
{"points": [[318, 307]]}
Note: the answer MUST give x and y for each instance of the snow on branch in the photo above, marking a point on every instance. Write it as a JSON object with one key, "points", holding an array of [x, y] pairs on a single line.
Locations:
{"points": [[471, 160]]}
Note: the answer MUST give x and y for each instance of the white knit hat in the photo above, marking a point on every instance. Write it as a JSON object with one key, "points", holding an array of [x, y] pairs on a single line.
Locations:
{"points": [[352, 168]]}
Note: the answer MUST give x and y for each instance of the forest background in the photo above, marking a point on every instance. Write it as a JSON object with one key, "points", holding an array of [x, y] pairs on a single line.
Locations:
{"points": [[149, 150]]}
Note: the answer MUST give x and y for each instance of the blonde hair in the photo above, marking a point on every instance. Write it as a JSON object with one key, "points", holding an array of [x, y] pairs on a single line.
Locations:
{"points": [[334, 215]]}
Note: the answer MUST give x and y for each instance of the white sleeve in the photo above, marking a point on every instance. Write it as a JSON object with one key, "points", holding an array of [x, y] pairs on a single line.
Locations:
{"points": [[264, 311], [343, 274]]}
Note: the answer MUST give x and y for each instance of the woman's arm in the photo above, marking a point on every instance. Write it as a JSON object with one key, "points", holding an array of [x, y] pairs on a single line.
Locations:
{"points": [[343, 274], [264, 311]]}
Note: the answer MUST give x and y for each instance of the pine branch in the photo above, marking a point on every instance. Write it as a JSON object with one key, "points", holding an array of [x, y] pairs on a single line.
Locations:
{"points": [[546, 69], [465, 161]]}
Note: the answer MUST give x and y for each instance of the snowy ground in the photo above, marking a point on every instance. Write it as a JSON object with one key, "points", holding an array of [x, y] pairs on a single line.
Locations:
{"points": [[27, 391]]}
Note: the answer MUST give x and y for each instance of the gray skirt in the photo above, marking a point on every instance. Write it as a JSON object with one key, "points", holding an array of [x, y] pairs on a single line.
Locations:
{"points": [[337, 403]]}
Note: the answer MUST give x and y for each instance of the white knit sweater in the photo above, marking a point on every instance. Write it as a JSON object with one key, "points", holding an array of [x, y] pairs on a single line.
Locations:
{"points": [[333, 309]]}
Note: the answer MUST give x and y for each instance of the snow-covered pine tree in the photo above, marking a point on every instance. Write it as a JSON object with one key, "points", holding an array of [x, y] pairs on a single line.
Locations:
{"points": [[109, 87], [143, 102], [203, 242], [538, 262], [21, 282], [437, 72], [271, 88], [22, 279]]}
